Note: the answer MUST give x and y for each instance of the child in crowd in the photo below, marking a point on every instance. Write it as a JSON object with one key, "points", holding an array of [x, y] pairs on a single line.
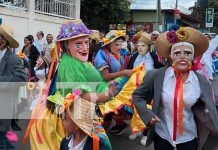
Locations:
{"points": [[41, 69]]}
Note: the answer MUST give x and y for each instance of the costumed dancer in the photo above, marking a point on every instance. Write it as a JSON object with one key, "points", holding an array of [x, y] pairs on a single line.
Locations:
{"points": [[112, 62], [94, 45], [82, 126], [150, 62], [70, 70], [184, 112]]}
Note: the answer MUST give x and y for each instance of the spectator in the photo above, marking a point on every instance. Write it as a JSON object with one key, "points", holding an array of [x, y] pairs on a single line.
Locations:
{"points": [[11, 70], [48, 46], [40, 43], [31, 53]]}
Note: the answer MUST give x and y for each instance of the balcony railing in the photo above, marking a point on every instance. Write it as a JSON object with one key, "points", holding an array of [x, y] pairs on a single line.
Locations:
{"points": [[13, 4], [60, 8]]}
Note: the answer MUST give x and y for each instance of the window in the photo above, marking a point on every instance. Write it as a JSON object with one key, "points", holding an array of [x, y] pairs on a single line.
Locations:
{"points": [[13, 3], [61, 8]]}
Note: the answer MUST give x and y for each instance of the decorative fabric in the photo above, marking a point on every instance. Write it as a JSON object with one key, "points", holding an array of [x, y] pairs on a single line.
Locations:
{"points": [[71, 29]]}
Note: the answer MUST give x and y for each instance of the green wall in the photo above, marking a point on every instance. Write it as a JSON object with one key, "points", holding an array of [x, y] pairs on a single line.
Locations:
{"points": [[146, 16]]}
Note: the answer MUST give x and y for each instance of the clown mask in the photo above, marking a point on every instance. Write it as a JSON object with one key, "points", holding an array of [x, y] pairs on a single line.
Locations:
{"points": [[79, 48]]}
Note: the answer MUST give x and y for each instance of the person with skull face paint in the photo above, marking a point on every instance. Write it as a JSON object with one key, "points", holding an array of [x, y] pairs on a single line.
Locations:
{"points": [[184, 110], [70, 54]]}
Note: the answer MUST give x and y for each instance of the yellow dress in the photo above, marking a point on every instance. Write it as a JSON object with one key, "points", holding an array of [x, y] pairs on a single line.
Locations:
{"points": [[46, 132], [124, 98]]}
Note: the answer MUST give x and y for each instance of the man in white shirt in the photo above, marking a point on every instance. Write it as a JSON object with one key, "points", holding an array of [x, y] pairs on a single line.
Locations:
{"points": [[40, 42], [48, 46]]}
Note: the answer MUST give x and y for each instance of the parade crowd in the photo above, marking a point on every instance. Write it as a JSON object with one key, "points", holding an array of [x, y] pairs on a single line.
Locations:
{"points": [[82, 84]]}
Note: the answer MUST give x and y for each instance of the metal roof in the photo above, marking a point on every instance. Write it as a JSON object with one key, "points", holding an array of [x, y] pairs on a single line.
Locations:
{"points": [[152, 5]]}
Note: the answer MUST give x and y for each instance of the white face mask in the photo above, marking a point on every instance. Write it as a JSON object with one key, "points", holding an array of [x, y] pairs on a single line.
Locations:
{"points": [[41, 73], [142, 48]]}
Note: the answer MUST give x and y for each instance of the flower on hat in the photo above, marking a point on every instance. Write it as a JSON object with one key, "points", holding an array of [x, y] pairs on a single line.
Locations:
{"points": [[182, 34], [137, 36], [172, 37], [71, 29], [106, 41], [119, 33], [69, 98]]}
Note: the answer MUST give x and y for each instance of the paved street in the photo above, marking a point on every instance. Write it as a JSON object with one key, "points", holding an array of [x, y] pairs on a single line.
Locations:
{"points": [[122, 141]]}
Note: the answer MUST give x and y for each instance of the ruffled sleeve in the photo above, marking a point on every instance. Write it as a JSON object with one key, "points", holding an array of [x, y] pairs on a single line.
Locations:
{"points": [[75, 76], [101, 61]]}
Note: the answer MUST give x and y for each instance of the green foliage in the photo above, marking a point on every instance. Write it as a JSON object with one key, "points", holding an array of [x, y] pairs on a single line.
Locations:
{"points": [[101, 13], [214, 4]]}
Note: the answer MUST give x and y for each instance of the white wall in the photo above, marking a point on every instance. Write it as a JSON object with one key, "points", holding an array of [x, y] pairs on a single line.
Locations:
{"points": [[20, 26], [25, 22]]}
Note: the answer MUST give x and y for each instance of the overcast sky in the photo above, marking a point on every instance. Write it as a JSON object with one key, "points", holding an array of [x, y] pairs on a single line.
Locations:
{"points": [[187, 3], [184, 3]]}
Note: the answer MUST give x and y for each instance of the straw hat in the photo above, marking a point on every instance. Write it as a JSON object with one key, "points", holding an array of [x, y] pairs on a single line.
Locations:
{"points": [[146, 38], [113, 35], [73, 29], [95, 35], [82, 112], [185, 34], [46, 60], [7, 32]]}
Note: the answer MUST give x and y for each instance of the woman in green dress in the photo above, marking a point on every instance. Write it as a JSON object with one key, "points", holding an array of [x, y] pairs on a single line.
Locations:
{"points": [[70, 71]]}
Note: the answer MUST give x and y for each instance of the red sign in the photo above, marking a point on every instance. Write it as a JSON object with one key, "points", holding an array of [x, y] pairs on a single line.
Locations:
{"points": [[177, 12], [133, 28]]}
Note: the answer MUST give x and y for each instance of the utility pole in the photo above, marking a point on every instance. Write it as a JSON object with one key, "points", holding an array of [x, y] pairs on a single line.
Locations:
{"points": [[175, 11], [159, 15]]}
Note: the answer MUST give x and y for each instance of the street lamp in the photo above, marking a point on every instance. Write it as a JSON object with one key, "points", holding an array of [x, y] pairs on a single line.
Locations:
{"points": [[159, 18], [175, 11]]}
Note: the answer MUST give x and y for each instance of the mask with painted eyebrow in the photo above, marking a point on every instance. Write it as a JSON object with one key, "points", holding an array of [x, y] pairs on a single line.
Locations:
{"points": [[188, 50], [177, 50]]}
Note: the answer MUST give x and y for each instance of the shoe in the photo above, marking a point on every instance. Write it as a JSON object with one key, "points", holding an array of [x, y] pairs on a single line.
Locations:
{"points": [[143, 140], [114, 129], [121, 129], [133, 136]]}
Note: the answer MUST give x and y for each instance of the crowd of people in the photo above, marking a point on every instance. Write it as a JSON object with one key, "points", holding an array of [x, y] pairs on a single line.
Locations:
{"points": [[159, 84]]}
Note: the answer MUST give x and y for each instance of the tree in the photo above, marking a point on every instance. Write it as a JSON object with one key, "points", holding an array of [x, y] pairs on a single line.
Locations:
{"points": [[214, 4], [98, 14]]}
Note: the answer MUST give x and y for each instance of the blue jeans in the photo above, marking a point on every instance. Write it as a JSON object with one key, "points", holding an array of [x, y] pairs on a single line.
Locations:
{"points": [[5, 144]]}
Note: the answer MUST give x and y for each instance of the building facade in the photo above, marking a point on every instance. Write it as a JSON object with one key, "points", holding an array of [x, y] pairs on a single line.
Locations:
{"points": [[30, 16], [144, 15]]}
